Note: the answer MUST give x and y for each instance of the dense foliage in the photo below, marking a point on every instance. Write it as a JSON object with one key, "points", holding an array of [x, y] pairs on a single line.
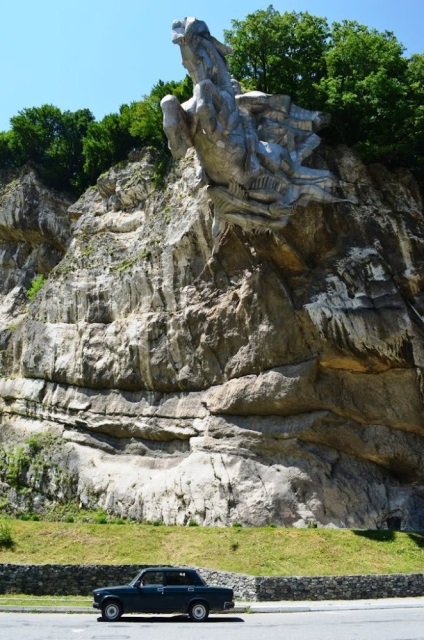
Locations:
{"points": [[137, 125], [279, 53], [48, 139], [360, 76], [70, 149]]}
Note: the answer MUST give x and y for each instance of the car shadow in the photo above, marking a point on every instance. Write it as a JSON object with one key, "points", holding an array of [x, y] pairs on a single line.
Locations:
{"points": [[169, 619]]}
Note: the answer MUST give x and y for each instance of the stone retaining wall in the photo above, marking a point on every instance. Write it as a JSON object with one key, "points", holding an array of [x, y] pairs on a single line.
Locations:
{"points": [[51, 579], [340, 587]]}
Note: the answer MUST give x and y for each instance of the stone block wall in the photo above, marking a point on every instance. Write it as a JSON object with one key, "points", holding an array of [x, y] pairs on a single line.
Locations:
{"points": [[339, 587], [51, 579], [58, 580]]}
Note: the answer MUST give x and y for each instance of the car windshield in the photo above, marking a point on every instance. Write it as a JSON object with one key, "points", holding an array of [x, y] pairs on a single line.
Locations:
{"points": [[136, 579]]}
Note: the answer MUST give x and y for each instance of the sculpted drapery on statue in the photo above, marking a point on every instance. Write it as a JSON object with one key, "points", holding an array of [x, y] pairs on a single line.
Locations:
{"points": [[251, 145]]}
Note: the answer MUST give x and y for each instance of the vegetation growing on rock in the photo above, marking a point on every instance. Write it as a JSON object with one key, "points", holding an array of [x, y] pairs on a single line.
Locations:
{"points": [[34, 475]]}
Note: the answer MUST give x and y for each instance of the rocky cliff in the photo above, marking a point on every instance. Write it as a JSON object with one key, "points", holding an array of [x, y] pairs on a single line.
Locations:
{"points": [[264, 378]]}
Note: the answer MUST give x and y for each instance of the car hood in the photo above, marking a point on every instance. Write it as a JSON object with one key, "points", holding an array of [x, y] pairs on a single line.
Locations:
{"points": [[120, 587]]}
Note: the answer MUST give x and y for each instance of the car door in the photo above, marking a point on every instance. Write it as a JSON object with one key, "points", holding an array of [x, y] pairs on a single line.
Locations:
{"points": [[150, 593], [178, 590]]}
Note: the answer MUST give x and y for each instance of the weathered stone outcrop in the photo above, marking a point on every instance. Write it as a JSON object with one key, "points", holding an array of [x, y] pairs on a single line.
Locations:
{"points": [[275, 377], [34, 232]]}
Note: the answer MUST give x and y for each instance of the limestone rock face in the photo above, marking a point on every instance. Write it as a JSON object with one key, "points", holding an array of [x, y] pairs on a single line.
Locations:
{"points": [[272, 378], [34, 232]]}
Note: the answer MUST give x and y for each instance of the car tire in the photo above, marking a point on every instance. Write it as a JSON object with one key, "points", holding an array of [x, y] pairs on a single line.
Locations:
{"points": [[111, 610], [198, 611]]}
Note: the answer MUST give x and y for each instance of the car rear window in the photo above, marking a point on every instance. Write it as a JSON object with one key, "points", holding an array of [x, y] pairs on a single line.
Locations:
{"points": [[175, 578]]}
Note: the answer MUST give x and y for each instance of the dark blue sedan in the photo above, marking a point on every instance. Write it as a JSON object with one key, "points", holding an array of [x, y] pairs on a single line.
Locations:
{"points": [[163, 590]]}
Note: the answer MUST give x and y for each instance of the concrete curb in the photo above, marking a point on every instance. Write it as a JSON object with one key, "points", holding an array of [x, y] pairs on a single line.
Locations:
{"points": [[258, 607], [328, 605]]}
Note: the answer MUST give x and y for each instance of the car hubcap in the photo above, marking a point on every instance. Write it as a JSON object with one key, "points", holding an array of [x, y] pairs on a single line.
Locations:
{"points": [[199, 611], [112, 611]]}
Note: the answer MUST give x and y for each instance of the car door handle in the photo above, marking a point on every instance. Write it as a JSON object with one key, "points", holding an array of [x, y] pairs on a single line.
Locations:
{"points": [[160, 590], [191, 588]]}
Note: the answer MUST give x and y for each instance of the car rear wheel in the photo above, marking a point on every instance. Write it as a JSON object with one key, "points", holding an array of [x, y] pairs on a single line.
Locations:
{"points": [[199, 611], [111, 611]]}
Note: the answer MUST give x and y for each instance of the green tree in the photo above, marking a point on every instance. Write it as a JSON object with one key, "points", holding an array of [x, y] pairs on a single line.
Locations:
{"points": [[34, 131], [279, 53], [137, 125], [52, 142], [412, 153], [146, 115], [358, 75], [7, 158], [365, 88], [146, 121], [67, 151], [107, 142]]}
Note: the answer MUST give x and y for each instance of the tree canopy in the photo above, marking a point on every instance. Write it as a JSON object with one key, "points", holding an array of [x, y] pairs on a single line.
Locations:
{"points": [[358, 75], [70, 149], [50, 140], [274, 50]]}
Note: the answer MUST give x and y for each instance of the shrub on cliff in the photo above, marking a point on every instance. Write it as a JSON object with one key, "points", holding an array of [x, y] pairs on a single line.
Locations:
{"points": [[36, 284]]}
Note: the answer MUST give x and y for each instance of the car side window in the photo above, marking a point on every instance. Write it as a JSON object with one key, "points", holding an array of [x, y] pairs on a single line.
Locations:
{"points": [[152, 577], [177, 578]]}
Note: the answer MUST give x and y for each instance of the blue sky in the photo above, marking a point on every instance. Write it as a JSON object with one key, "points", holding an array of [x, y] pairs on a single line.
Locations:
{"points": [[99, 54]]}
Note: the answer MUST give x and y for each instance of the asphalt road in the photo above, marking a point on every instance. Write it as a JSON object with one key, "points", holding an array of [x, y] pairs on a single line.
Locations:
{"points": [[382, 624]]}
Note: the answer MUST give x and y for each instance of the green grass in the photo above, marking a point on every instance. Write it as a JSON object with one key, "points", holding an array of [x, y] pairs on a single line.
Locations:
{"points": [[21, 600], [255, 551]]}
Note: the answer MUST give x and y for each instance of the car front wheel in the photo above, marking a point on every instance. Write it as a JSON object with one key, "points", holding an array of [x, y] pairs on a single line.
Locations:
{"points": [[199, 611], [111, 611]]}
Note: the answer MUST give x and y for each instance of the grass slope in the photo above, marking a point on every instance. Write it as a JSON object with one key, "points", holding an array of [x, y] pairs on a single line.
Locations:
{"points": [[255, 551]]}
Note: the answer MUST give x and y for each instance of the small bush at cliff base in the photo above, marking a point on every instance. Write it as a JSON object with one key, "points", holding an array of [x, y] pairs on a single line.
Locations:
{"points": [[6, 537], [100, 517], [193, 523]]}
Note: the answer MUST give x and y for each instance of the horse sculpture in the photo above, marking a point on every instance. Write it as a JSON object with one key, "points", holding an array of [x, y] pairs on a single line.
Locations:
{"points": [[250, 145]]}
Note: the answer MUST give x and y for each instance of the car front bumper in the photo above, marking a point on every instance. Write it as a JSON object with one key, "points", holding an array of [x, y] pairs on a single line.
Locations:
{"points": [[228, 605]]}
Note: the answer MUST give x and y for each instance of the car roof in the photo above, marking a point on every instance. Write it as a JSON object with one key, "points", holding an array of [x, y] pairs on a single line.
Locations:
{"points": [[166, 567]]}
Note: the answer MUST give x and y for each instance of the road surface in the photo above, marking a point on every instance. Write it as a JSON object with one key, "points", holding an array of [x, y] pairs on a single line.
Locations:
{"points": [[381, 624]]}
